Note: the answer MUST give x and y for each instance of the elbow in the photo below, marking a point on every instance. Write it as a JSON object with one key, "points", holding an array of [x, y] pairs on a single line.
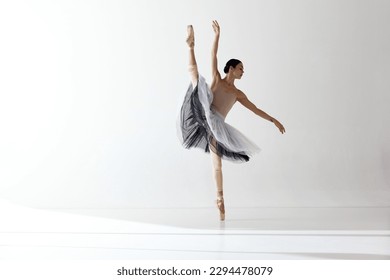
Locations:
{"points": [[259, 112]]}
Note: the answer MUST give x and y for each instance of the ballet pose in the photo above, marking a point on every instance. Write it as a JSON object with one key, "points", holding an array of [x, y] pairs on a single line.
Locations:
{"points": [[202, 116]]}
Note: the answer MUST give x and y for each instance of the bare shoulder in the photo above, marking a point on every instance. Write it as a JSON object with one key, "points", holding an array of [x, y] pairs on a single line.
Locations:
{"points": [[239, 94]]}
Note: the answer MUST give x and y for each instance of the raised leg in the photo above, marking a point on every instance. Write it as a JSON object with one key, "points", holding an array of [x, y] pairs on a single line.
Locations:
{"points": [[192, 68]]}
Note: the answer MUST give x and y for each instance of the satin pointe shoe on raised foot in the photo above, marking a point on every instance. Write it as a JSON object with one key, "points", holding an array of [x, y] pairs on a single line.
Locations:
{"points": [[191, 38], [221, 208]]}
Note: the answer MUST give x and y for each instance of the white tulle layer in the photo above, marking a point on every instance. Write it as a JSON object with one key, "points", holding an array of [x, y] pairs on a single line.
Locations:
{"points": [[228, 136]]}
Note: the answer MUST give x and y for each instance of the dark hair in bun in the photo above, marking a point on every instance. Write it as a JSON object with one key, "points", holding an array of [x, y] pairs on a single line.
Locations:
{"points": [[232, 62]]}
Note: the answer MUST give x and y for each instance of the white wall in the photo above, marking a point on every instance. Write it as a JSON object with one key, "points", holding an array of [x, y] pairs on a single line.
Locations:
{"points": [[90, 90]]}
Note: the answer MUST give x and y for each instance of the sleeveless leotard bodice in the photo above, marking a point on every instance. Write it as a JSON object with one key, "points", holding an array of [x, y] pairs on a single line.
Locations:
{"points": [[223, 102]]}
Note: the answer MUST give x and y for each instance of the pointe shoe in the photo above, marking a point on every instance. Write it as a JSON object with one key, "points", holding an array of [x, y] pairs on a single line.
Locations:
{"points": [[191, 38], [221, 208]]}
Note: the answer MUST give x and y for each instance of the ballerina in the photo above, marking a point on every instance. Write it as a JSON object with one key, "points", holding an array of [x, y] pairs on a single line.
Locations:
{"points": [[202, 116]]}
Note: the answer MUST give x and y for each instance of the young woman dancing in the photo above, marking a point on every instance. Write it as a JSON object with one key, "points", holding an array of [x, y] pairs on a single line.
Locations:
{"points": [[202, 116]]}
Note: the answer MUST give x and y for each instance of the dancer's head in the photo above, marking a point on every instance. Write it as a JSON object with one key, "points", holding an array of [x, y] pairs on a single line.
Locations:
{"points": [[235, 67]]}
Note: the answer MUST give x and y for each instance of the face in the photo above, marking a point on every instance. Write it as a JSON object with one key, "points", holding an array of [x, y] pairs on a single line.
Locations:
{"points": [[238, 71]]}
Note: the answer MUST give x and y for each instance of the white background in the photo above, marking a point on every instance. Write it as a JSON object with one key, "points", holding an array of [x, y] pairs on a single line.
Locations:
{"points": [[90, 91]]}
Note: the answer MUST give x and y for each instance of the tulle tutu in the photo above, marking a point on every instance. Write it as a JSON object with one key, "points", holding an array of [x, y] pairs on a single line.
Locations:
{"points": [[200, 125]]}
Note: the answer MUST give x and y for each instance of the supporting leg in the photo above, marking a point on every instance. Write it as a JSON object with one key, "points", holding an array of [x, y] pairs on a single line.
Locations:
{"points": [[217, 173]]}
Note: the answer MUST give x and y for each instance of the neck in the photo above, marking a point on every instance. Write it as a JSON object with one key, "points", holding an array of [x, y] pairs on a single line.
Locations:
{"points": [[229, 79]]}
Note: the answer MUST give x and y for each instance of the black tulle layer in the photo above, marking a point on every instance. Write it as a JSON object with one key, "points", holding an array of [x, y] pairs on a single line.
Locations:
{"points": [[196, 131]]}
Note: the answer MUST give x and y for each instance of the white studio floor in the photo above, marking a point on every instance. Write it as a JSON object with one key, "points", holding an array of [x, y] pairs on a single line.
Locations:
{"points": [[142, 234]]}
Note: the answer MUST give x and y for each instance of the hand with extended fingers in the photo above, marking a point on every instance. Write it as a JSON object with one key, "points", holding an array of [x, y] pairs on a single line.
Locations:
{"points": [[216, 27], [279, 125]]}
